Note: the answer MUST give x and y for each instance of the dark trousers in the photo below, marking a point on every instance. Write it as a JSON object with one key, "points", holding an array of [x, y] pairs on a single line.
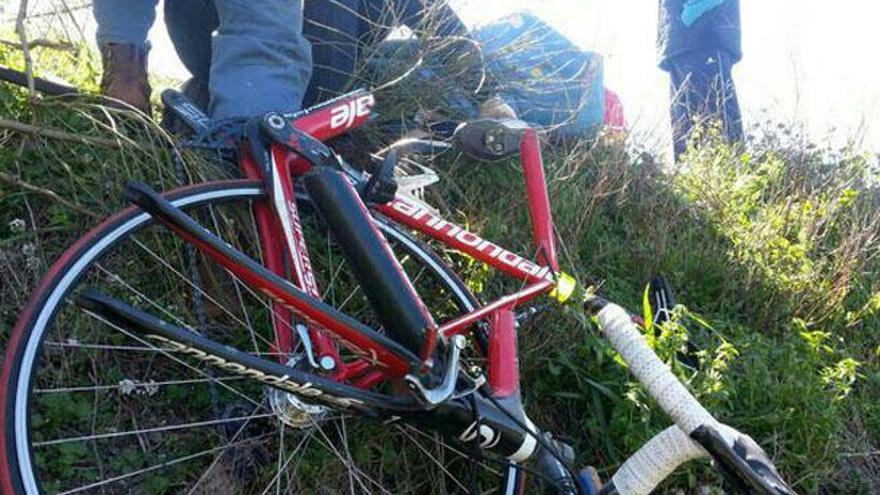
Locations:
{"points": [[335, 28], [703, 94], [340, 32]]}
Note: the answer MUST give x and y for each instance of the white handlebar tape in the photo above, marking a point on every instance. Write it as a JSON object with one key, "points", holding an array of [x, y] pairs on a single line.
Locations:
{"points": [[672, 447], [651, 372], [656, 460]]}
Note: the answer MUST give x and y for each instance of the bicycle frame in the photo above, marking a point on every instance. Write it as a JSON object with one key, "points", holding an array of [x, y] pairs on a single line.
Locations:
{"points": [[494, 419], [542, 275]]}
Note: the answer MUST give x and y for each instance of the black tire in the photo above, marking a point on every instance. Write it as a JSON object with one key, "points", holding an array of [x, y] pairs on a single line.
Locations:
{"points": [[50, 366]]}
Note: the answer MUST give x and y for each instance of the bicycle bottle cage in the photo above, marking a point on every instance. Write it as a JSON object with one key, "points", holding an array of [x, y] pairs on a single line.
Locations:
{"points": [[383, 185], [491, 139]]}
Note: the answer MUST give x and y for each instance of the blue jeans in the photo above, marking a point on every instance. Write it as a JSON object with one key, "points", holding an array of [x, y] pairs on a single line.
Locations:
{"points": [[703, 94], [340, 31], [259, 61]]}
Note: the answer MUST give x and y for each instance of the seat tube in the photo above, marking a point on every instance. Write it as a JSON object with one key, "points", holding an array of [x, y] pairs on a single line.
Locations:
{"points": [[503, 360], [539, 202], [273, 259]]}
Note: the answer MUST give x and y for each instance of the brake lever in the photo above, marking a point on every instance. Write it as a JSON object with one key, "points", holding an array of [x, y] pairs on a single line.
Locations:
{"points": [[744, 464]]}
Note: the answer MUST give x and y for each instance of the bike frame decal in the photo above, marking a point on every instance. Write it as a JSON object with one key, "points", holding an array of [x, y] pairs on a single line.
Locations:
{"points": [[284, 382], [273, 259], [347, 113], [318, 121], [452, 235], [284, 201]]}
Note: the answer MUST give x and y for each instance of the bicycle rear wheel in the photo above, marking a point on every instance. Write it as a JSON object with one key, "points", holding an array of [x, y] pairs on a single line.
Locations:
{"points": [[87, 407]]}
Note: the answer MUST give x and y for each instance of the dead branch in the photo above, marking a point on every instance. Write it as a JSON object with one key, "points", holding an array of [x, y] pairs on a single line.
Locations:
{"points": [[21, 30], [56, 134], [16, 181], [41, 43]]}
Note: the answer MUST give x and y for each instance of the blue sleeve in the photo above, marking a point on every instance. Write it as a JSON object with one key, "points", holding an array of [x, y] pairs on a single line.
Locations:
{"points": [[694, 9]]}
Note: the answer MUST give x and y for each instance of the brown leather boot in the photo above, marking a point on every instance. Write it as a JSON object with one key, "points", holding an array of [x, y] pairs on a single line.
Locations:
{"points": [[125, 75]]}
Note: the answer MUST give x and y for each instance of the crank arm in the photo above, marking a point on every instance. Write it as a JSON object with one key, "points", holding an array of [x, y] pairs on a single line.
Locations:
{"points": [[179, 340]]}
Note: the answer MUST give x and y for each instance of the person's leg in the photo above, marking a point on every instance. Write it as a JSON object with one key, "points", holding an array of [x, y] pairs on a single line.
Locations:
{"points": [[191, 24], [333, 29], [702, 94], [683, 108], [122, 39], [124, 21], [728, 108], [260, 60]]}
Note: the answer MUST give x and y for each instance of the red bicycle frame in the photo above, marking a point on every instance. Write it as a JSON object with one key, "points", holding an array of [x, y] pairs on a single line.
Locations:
{"points": [[542, 275]]}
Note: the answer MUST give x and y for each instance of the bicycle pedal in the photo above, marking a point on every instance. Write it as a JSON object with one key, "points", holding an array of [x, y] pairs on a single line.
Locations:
{"points": [[490, 139]]}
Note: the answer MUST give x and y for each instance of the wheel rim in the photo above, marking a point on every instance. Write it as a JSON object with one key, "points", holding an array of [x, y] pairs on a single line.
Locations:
{"points": [[358, 482]]}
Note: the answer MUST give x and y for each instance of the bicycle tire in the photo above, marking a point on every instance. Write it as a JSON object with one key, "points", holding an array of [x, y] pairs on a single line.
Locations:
{"points": [[27, 347]]}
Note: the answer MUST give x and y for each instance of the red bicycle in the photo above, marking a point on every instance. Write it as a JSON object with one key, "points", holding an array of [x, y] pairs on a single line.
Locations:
{"points": [[293, 332]]}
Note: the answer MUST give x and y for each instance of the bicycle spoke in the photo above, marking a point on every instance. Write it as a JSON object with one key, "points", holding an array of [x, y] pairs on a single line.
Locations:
{"points": [[354, 471], [225, 449], [155, 467], [237, 285], [158, 429], [210, 298], [433, 458], [276, 480], [135, 384], [103, 347]]}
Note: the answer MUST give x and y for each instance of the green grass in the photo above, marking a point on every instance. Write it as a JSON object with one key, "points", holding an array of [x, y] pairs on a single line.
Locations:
{"points": [[775, 249], [772, 250]]}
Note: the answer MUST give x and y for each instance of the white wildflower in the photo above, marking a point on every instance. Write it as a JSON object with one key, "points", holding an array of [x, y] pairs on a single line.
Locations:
{"points": [[135, 387], [150, 388], [17, 225], [127, 386]]}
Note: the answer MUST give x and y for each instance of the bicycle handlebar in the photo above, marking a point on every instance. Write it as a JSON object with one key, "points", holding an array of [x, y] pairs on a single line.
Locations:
{"points": [[656, 460], [696, 432], [662, 384]]}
